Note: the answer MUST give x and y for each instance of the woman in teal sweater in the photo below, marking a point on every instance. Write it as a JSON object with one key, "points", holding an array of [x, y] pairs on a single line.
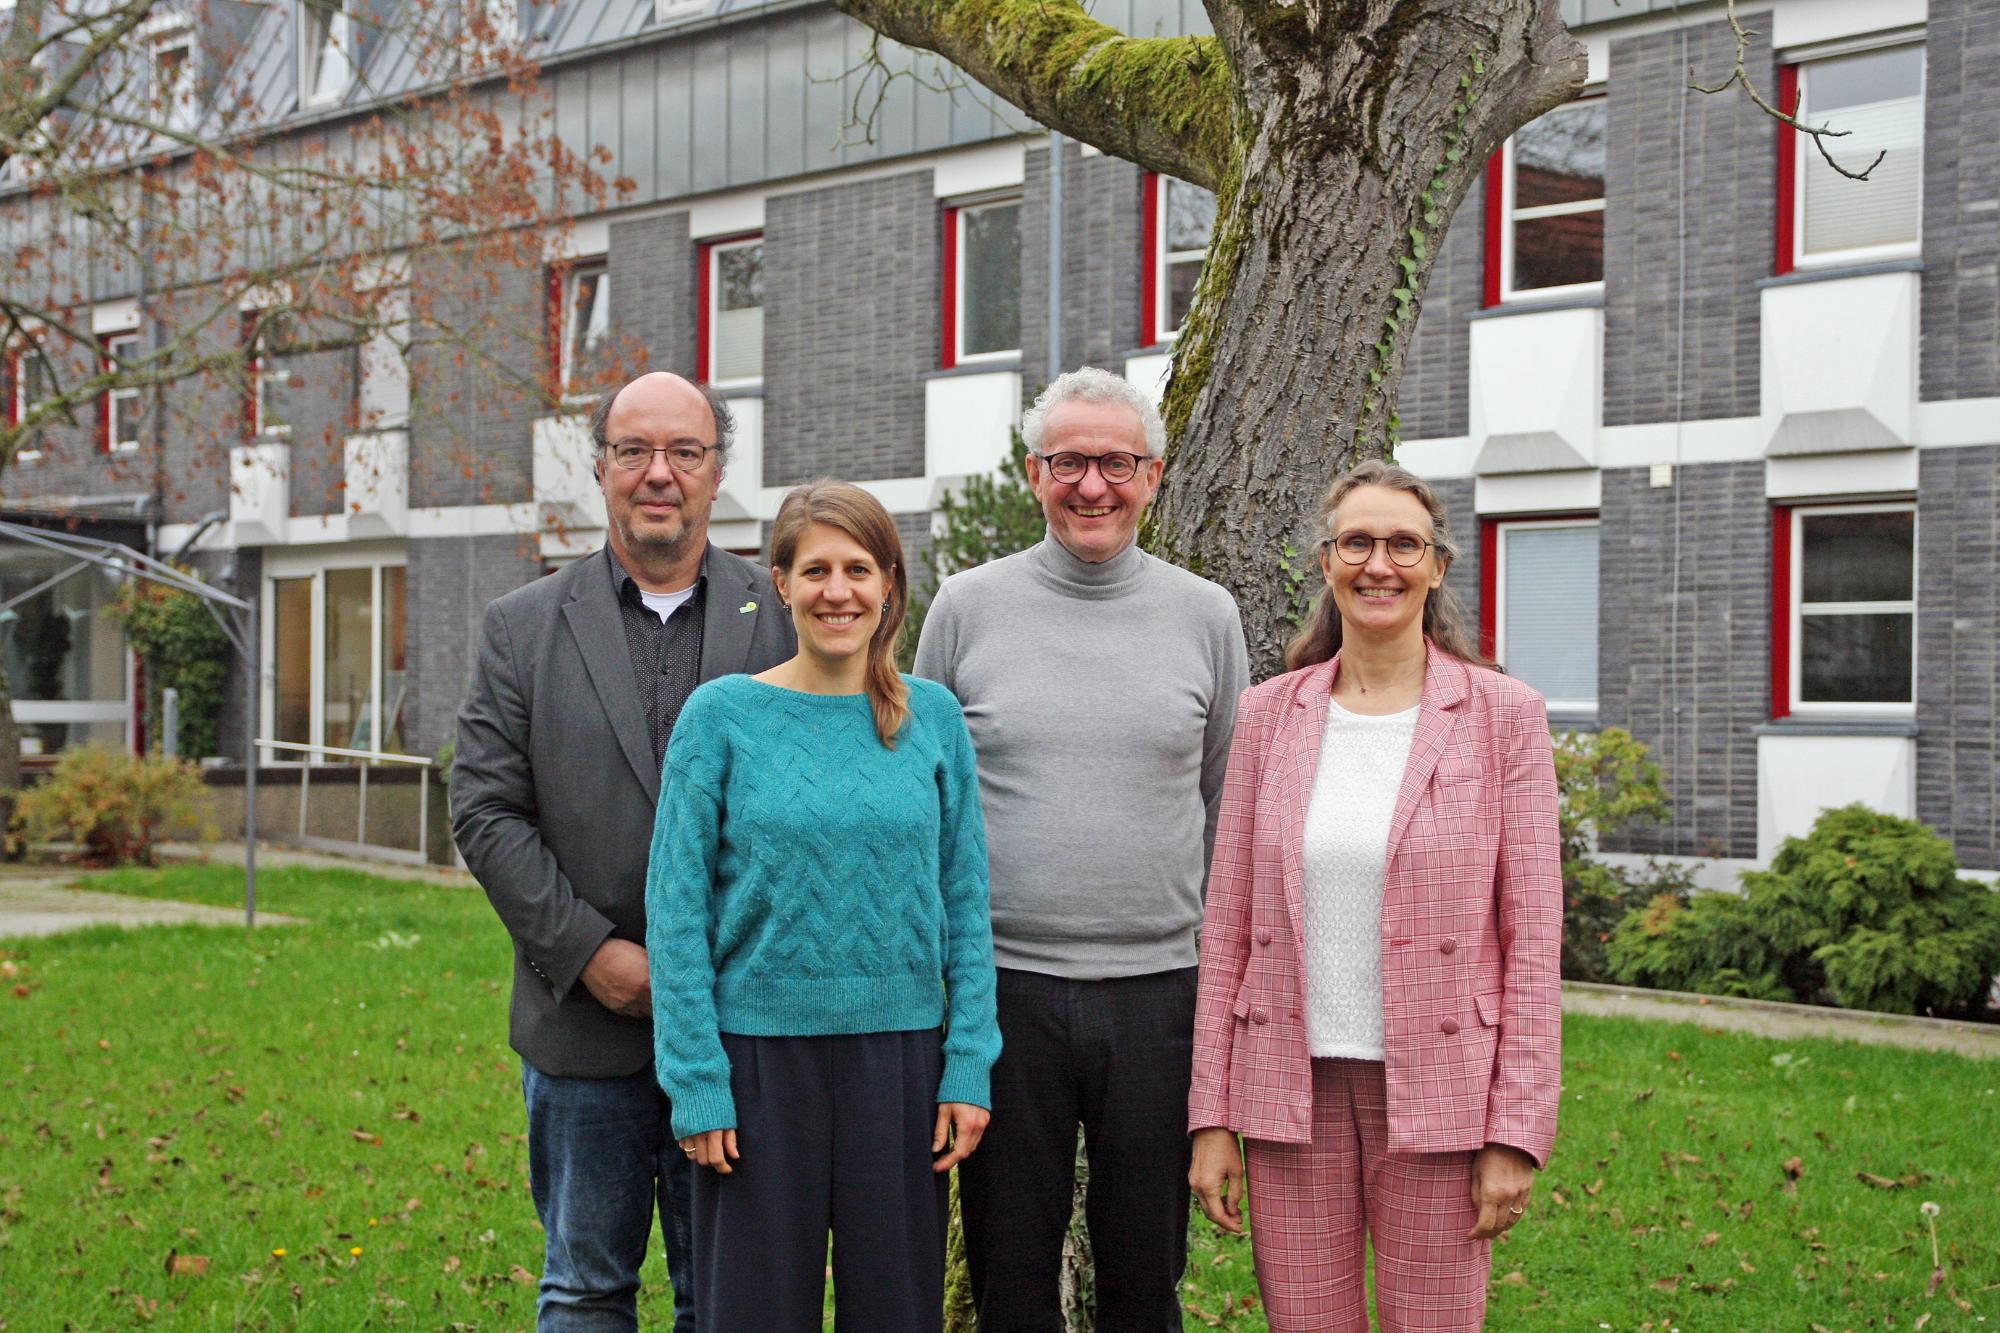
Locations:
{"points": [[822, 960]]}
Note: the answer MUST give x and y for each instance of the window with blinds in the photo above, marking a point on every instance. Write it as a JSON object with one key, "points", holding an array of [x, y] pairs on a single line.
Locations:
{"points": [[1546, 621], [1876, 98], [736, 287]]}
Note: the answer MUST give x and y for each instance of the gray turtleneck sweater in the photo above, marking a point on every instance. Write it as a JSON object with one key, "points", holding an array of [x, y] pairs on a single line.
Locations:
{"points": [[1100, 698]]}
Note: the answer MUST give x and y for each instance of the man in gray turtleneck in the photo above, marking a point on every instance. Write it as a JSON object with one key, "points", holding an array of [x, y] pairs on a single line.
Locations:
{"points": [[1100, 687]]}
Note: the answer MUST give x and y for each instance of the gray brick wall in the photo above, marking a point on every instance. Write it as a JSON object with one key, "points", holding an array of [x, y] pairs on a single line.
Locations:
{"points": [[202, 420], [1463, 577], [1433, 399], [472, 415], [1958, 649], [241, 573], [322, 405], [1961, 281], [451, 579], [1687, 668], [1103, 268], [651, 266], [851, 320], [1665, 358]]}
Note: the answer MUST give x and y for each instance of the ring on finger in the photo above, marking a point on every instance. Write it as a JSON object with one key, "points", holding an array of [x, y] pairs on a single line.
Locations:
{"points": [[1517, 1211]]}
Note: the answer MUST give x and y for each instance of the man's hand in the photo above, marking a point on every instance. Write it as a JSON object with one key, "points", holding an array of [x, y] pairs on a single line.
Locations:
{"points": [[714, 1149], [1502, 1179], [617, 976], [959, 1125], [1216, 1176]]}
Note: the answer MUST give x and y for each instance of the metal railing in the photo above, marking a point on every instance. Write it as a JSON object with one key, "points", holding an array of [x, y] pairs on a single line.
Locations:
{"points": [[424, 766]]}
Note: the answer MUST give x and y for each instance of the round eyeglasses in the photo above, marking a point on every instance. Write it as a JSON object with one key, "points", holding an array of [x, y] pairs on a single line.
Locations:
{"points": [[680, 457], [1069, 466], [1406, 549]]}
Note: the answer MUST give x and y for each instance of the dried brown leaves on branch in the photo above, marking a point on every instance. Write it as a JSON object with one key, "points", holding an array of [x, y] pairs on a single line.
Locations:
{"points": [[137, 154]]}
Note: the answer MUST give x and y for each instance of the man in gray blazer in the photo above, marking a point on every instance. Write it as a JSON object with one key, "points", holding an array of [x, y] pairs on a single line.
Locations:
{"points": [[578, 680]]}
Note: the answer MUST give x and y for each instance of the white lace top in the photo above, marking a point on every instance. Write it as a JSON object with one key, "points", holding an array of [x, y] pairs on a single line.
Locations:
{"points": [[1361, 761]]}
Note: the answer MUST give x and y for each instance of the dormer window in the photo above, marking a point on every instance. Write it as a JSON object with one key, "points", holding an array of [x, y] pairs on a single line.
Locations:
{"points": [[170, 42], [326, 51]]}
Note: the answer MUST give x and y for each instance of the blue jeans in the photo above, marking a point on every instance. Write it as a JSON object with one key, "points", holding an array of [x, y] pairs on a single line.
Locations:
{"points": [[601, 1159]]}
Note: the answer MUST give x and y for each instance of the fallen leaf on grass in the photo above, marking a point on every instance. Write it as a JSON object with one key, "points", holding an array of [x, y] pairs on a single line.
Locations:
{"points": [[1937, 1279], [1794, 1167], [363, 1136], [451, 1264], [1710, 1239], [1668, 1283], [520, 1275], [186, 1265], [1515, 1279], [1922, 1319]]}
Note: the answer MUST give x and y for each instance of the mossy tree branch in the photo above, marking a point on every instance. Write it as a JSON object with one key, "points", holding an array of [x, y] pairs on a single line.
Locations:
{"points": [[1167, 103]]}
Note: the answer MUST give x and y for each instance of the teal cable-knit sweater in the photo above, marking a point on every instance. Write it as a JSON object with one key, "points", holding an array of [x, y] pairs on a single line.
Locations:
{"points": [[807, 880]]}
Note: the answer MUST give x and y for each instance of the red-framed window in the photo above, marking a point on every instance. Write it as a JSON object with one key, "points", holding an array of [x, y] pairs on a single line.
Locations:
{"points": [[981, 285], [120, 405], [1824, 218], [1545, 207], [581, 351], [1177, 221], [729, 299], [1843, 609], [1538, 602]]}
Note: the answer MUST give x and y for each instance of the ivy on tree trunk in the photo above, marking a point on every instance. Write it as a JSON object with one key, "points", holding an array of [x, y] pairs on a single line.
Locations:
{"points": [[1339, 136]]}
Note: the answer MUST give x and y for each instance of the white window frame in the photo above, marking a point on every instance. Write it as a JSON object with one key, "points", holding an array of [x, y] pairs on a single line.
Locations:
{"points": [[1164, 259], [326, 31], [573, 271], [262, 374], [316, 569], [1796, 611], [960, 210], [19, 357], [713, 314], [1804, 152], [1509, 215], [1503, 528], [118, 394], [163, 33]]}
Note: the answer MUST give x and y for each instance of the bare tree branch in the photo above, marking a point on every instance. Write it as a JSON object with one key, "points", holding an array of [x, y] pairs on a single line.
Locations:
{"points": [[1740, 77], [1166, 103]]}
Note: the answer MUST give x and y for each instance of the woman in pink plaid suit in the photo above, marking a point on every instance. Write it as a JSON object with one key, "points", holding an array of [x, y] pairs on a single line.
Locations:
{"points": [[1380, 1004]]}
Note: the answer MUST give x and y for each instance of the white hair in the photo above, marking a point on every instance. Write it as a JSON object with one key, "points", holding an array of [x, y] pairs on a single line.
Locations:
{"points": [[1088, 384]]}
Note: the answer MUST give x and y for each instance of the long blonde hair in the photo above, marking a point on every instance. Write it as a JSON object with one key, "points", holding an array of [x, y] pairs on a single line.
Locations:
{"points": [[1444, 621], [861, 516]]}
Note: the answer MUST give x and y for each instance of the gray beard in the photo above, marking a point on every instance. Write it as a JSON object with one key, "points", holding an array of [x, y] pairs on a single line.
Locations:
{"points": [[656, 541]]}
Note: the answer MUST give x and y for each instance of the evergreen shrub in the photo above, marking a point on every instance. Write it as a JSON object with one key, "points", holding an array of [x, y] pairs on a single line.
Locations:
{"points": [[1865, 912], [1605, 782]]}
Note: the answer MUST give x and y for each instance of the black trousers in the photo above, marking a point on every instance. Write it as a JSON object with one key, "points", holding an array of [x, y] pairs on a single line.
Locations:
{"points": [[1116, 1057], [835, 1134]]}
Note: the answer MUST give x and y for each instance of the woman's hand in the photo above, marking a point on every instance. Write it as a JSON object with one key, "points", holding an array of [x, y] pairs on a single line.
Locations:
{"points": [[1502, 1179], [715, 1149], [1216, 1177], [961, 1125]]}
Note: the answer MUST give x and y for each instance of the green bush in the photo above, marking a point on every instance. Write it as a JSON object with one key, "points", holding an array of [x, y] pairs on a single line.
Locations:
{"points": [[986, 518], [117, 805], [182, 645], [1605, 782], [1865, 912]]}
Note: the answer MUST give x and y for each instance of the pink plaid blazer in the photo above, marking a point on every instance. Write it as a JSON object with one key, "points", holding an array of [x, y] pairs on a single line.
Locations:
{"points": [[1471, 921]]}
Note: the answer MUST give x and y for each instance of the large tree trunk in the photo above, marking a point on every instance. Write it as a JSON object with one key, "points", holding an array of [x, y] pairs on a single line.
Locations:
{"points": [[10, 766], [1357, 147], [1339, 135]]}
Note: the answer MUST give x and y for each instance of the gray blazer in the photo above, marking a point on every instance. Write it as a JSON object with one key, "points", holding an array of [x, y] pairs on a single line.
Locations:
{"points": [[553, 787]]}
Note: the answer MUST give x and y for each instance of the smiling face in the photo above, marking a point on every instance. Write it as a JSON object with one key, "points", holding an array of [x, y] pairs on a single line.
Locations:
{"points": [[1379, 599], [1092, 518], [654, 512], [836, 590]]}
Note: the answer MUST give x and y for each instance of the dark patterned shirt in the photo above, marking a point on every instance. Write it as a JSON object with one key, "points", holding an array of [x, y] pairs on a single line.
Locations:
{"points": [[666, 654]]}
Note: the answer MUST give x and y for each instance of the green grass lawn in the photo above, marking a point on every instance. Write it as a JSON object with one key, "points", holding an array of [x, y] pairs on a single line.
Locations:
{"points": [[342, 1092]]}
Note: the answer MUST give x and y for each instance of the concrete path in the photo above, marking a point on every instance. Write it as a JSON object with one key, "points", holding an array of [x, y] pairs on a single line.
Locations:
{"points": [[1765, 1018], [49, 905]]}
